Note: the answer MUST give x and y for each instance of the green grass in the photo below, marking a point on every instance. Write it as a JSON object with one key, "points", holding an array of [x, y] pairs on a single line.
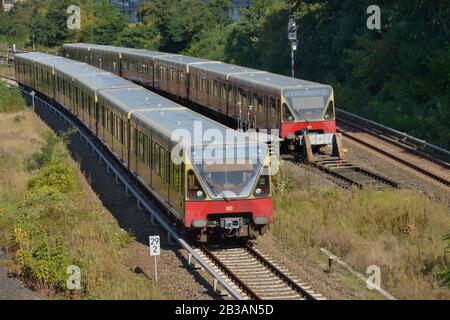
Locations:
{"points": [[11, 100], [399, 231], [50, 219]]}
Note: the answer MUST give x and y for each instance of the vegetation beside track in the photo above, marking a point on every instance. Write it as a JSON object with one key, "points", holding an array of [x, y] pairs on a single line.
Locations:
{"points": [[399, 231], [50, 219], [6, 70], [10, 100]]}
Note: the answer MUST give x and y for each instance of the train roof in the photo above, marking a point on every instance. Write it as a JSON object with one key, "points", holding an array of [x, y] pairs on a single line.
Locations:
{"points": [[160, 113], [146, 53], [134, 98], [33, 55], [223, 69], [184, 60], [102, 81], [76, 69], [274, 81], [79, 45]]}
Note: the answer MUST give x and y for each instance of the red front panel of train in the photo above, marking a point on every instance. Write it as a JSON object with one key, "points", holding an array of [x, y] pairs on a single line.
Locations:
{"points": [[288, 128], [201, 210]]}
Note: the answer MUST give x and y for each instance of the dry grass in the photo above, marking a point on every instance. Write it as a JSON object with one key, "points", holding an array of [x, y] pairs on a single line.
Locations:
{"points": [[91, 238], [399, 231]]}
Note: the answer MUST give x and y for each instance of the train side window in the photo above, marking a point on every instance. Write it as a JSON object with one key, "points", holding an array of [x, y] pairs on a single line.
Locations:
{"points": [[156, 159], [195, 191], [150, 152], [121, 132], [117, 127], [260, 105], [278, 110], [141, 146], [203, 88], [224, 92], [168, 165], [272, 107], [231, 94], [176, 177], [125, 134], [103, 117], [181, 78], [113, 125], [250, 99], [136, 141], [145, 151], [83, 101], [91, 104], [110, 122], [216, 89], [162, 162]]}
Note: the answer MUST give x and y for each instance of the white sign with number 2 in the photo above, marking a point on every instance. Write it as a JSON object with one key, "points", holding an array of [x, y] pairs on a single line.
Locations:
{"points": [[155, 246]]}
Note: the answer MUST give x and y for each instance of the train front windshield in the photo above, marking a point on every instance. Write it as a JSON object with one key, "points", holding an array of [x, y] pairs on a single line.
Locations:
{"points": [[228, 172], [310, 105]]}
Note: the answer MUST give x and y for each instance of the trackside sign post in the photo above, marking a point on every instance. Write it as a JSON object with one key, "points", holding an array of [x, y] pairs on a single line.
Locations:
{"points": [[155, 250]]}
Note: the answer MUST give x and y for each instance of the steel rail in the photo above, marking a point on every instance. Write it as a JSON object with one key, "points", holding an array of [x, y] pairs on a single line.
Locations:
{"points": [[398, 144], [280, 274], [245, 288], [352, 181], [394, 157], [396, 132], [130, 188]]}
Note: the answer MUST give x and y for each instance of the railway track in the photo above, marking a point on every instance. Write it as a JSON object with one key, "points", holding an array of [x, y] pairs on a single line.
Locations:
{"points": [[401, 151], [350, 174], [254, 275]]}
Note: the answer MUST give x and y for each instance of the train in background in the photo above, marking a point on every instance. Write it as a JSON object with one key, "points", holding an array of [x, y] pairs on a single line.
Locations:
{"points": [[301, 113], [228, 198]]}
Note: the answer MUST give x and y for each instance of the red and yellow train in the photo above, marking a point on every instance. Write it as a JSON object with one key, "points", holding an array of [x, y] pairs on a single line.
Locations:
{"points": [[215, 188]]}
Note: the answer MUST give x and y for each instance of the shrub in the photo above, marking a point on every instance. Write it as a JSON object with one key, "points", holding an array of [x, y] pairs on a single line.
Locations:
{"points": [[41, 258], [46, 153], [446, 274], [56, 175]]}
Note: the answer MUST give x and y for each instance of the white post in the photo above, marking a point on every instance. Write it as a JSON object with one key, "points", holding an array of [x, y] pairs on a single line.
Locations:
{"points": [[156, 268], [32, 99]]}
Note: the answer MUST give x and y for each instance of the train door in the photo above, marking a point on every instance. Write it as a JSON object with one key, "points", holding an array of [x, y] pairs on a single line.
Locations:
{"points": [[176, 194]]}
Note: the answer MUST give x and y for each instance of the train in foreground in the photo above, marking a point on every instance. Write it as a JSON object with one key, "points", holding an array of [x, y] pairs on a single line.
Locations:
{"points": [[301, 113], [212, 188]]}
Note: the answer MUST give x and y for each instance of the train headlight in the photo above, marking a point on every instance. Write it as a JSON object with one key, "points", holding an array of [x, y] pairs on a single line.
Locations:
{"points": [[199, 223], [258, 191], [290, 136], [261, 220], [199, 194]]}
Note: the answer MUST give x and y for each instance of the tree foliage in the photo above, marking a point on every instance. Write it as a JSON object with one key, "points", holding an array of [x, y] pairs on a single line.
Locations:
{"points": [[181, 22], [139, 36], [103, 24], [399, 75]]}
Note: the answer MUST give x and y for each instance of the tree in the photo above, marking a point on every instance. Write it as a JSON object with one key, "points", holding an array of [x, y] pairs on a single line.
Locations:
{"points": [[139, 36], [103, 24], [49, 22], [211, 44], [180, 22], [13, 29]]}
